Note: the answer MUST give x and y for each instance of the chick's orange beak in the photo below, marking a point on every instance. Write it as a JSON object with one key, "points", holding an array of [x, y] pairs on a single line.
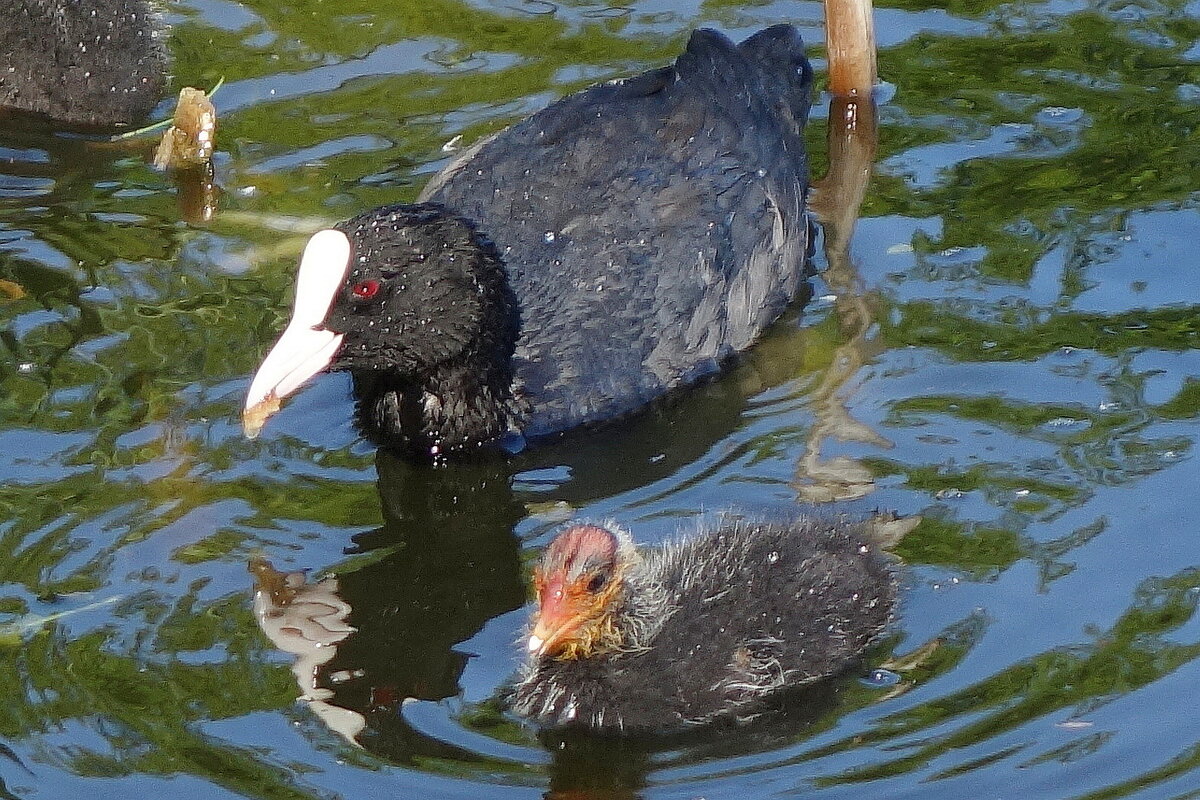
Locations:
{"points": [[558, 618]]}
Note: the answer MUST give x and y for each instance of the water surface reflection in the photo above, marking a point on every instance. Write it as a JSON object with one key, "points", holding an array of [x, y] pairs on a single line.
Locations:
{"points": [[1028, 348]]}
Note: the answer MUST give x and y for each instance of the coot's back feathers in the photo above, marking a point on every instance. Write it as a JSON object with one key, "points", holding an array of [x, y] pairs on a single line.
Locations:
{"points": [[651, 227], [743, 612], [81, 61]]}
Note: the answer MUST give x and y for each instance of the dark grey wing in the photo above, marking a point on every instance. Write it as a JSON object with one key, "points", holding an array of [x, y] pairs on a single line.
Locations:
{"points": [[651, 227]]}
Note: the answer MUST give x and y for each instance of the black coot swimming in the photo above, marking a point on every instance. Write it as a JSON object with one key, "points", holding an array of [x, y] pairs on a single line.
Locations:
{"points": [[84, 62], [710, 627], [619, 244]]}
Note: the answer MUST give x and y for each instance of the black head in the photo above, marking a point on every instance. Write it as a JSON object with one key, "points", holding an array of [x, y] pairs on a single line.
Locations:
{"points": [[424, 290], [421, 314]]}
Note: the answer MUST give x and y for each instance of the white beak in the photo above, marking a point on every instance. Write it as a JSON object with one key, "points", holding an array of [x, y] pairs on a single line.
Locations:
{"points": [[304, 349]]}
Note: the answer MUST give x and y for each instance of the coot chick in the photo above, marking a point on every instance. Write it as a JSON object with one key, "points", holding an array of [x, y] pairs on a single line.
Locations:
{"points": [[83, 62], [619, 244], [709, 627]]}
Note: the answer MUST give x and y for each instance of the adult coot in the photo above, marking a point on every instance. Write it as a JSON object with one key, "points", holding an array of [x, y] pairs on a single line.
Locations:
{"points": [[621, 243], [85, 62], [708, 627]]}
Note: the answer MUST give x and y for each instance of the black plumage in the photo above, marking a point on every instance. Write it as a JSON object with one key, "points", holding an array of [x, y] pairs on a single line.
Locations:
{"points": [[713, 626], [430, 348], [643, 231], [85, 62]]}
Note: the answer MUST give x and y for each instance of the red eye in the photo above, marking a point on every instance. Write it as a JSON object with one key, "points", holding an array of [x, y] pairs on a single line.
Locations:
{"points": [[365, 290]]}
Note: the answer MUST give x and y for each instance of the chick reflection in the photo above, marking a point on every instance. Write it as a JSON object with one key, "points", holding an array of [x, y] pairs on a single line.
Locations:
{"points": [[450, 563], [593, 766], [596, 767]]}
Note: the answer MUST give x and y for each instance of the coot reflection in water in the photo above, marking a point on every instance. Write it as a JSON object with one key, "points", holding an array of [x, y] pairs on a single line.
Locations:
{"points": [[444, 563]]}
